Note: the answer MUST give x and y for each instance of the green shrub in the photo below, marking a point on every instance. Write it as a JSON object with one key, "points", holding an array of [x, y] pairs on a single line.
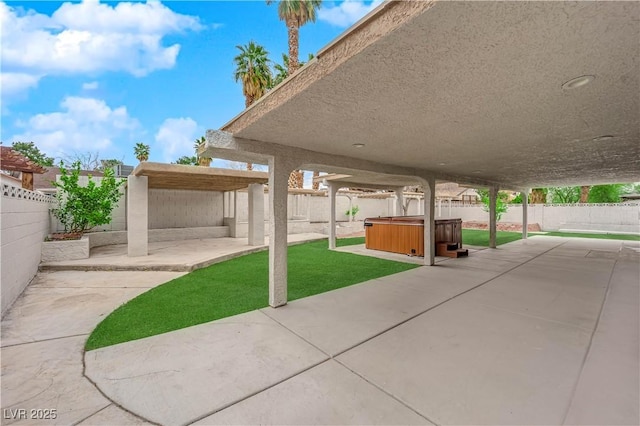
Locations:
{"points": [[81, 208]]}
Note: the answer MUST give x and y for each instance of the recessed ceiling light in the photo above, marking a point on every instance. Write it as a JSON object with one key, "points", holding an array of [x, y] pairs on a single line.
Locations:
{"points": [[477, 171], [603, 138], [442, 164], [358, 145], [574, 83]]}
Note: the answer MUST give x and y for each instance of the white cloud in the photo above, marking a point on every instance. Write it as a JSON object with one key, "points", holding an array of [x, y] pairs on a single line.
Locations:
{"points": [[90, 37], [347, 12], [84, 124], [176, 137], [93, 85], [15, 82]]}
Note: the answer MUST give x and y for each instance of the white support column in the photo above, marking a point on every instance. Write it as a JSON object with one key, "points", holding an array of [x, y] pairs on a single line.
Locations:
{"points": [[449, 208], [256, 214], [399, 201], [235, 206], [493, 196], [333, 190], [440, 207], [525, 208], [429, 222], [279, 170], [137, 216]]}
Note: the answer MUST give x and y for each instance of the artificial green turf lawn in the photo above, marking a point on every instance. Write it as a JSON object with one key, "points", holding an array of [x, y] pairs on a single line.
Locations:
{"points": [[480, 237], [233, 287], [587, 235]]}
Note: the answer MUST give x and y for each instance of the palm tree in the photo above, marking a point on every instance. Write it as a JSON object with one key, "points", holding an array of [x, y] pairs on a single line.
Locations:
{"points": [[202, 161], [281, 72], [141, 151], [296, 13], [252, 69]]}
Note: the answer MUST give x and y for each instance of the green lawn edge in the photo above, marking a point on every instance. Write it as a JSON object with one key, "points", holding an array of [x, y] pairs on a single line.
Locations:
{"points": [[236, 286]]}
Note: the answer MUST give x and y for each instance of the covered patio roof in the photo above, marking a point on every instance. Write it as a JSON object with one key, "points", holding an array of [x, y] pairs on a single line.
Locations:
{"points": [[472, 92], [178, 176]]}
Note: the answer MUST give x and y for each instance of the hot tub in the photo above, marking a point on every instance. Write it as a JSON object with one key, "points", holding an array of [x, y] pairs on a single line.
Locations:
{"points": [[405, 234]]}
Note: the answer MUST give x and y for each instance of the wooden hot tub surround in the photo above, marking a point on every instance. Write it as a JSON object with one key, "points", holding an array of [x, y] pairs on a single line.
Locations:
{"points": [[405, 235]]}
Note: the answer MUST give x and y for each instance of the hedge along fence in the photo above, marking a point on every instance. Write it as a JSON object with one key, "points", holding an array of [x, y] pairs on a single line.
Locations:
{"points": [[24, 225]]}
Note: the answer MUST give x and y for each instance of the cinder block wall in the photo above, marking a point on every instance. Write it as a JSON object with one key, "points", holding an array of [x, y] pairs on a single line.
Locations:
{"points": [[24, 223], [184, 209]]}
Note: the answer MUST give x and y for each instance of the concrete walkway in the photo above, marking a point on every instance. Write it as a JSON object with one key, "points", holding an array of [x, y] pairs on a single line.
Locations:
{"points": [[543, 331]]}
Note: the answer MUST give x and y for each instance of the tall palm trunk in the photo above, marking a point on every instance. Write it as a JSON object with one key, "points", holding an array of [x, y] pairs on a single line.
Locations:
{"points": [[584, 194], [315, 185], [295, 181], [538, 196], [292, 32]]}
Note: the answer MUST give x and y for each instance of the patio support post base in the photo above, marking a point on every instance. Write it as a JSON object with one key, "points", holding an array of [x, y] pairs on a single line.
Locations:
{"points": [[137, 216], [279, 169], [256, 214], [493, 196], [525, 213], [333, 190], [429, 221]]}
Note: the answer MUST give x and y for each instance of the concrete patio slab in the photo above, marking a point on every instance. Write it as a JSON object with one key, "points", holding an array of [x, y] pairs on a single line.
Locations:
{"points": [[497, 348], [464, 363], [328, 394], [73, 303], [179, 256], [112, 415], [341, 319], [607, 392], [537, 289], [48, 375], [182, 376]]}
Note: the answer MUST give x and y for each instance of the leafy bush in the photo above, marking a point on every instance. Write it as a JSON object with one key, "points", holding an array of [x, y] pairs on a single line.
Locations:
{"points": [[501, 202], [353, 211], [81, 208], [606, 193]]}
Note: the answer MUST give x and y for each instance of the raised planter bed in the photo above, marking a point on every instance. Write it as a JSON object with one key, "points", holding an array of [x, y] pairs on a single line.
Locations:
{"points": [[55, 251]]}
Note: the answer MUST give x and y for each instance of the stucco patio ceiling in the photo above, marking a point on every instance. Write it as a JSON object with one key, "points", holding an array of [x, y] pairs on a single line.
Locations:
{"points": [[471, 91], [177, 176]]}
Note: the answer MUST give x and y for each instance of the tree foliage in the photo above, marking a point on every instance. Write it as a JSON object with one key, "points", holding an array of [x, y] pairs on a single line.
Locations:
{"points": [[565, 194], [33, 153], [296, 13], [141, 151], [606, 193], [281, 71], [252, 69], [81, 208], [109, 163], [501, 202], [189, 161], [88, 160]]}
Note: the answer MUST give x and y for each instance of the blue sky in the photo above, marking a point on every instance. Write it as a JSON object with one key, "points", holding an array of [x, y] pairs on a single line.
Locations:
{"points": [[98, 77]]}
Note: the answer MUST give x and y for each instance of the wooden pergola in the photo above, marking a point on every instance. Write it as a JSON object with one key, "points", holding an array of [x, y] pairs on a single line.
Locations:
{"points": [[13, 161]]}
